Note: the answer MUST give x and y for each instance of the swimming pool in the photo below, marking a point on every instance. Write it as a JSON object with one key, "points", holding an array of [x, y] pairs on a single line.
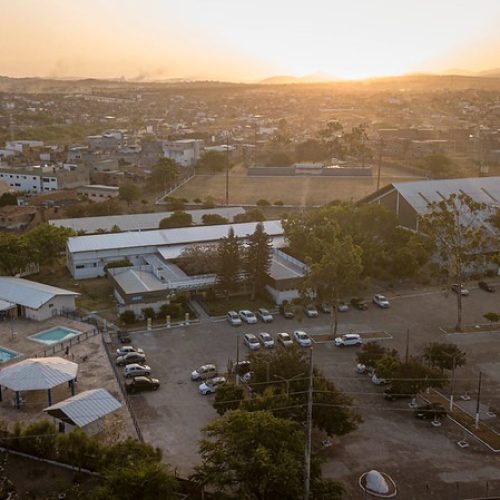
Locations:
{"points": [[7, 354], [54, 335]]}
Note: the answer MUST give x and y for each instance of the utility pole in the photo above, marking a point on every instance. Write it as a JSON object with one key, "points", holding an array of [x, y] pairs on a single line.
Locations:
{"points": [[237, 359], [452, 383], [477, 403], [227, 168], [307, 461], [379, 162]]}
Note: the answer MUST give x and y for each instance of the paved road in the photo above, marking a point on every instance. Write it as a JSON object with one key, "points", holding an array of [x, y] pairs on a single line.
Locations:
{"points": [[390, 439]]}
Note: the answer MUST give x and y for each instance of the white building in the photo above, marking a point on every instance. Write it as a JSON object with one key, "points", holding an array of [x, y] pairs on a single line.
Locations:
{"points": [[185, 152], [20, 146], [36, 301]]}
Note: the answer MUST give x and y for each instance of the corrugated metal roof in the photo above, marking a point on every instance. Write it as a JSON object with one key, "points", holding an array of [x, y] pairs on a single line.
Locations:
{"points": [[87, 407], [28, 293], [166, 237], [420, 193], [5, 305], [38, 373], [138, 222]]}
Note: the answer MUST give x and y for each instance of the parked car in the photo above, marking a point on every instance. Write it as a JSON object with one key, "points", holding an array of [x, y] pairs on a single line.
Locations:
{"points": [[392, 394], [211, 385], [486, 287], [233, 318], [131, 357], [430, 411], [266, 340], [287, 311], [342, 307], [457, 288], [142, 384], [381, 301], [302, 338], [125, 349], [248, 316], [242, 367], [251, 341], [311, 311], [359, 303], [264, 315], [284, 339], [204, 372], [348, 339], [124, 337], [379, 380], [326, 308], [136, 370]]}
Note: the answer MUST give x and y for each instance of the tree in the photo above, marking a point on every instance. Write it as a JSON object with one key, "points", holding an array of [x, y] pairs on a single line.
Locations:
{"points": [[211, 161], [438, 165], [444, 356], [278, 159], [177, 219], [460, 240], [46, 242], [14, 254], [228, 263], [198, 259], [129, 192], [8, 199], [413, 377], [163, 173], [371, 353], [492, 317], [228, 397], [335, 273], [280, 382], [311, 150], [258, 258], [243, 446], [213, 219], [252, 215]]}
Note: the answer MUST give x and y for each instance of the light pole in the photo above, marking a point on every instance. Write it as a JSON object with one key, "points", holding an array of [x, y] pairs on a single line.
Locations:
{"points": [[308, 447]]}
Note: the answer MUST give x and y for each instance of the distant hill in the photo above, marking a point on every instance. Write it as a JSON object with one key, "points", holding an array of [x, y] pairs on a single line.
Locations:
{"points": [[489, 73], [286, 79]]}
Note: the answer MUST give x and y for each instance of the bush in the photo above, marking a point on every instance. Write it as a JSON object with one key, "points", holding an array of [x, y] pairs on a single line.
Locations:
{"points": [[263, 203], [148, 312], [127, 317], [118, 263], [209, 202], [278, 203], [174, 310]]}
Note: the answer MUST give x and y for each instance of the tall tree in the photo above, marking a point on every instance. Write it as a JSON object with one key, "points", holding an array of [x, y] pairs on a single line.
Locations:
{"points": [[335, 273], [163, 174], [444, 356], [258, 258], [228, 263], [455, 225], [212, 161], [14, 254], [129, 192], [46, 242]]}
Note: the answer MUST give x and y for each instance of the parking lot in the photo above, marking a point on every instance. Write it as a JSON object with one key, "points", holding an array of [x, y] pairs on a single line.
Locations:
{"points": [[424, 461]]}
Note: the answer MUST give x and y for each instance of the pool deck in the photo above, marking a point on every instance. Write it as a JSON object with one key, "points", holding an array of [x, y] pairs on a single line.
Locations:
{"points": [[94, 371]]}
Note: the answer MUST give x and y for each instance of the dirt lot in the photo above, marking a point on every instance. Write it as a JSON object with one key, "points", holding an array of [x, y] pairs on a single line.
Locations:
{"points": [[424, 461], [302, 191]]}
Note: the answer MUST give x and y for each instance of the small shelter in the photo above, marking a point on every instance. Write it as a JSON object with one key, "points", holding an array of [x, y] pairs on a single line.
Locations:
{"points": [[85, 410], [37, 374]]}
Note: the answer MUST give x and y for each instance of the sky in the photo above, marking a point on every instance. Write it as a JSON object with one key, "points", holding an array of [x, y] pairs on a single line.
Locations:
{"points": [[246, 40]]}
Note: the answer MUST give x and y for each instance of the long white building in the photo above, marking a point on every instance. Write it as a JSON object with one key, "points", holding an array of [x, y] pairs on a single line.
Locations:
{"points": [[87, 256]]}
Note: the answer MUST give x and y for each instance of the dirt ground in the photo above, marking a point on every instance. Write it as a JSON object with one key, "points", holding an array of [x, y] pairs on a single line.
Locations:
{"points": [[302, 191]]}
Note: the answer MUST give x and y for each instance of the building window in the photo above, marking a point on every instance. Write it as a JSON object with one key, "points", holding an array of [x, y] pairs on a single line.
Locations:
{"points": [[51, 305], [80, 266]]}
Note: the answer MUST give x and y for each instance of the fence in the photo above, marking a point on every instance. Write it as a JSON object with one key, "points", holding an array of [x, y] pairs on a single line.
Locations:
{"points": [[66, 344], [160, 200]]}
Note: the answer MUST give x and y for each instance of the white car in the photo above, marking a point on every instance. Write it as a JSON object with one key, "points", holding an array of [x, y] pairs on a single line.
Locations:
{"points": [[342, 307], [311, 311], [211, 385], [302, 338], [378, 380], [460, 289], [284, 339], [381, 301], [264, 315], [251, 341], [248, 317], [136, 370], [204, 372], [125, 349], [266, 340], [348, 339], [233, 318]]}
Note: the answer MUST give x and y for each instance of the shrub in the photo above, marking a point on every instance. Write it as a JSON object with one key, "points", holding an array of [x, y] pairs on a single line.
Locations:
{"points": [[148, 312], [118, 263], [278, 203], [209, 202], [127, 317], [263, 203], [174, 310]]}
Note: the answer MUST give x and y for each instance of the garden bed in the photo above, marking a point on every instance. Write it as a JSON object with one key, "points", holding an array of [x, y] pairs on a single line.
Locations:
{"points": [[479, 328]]}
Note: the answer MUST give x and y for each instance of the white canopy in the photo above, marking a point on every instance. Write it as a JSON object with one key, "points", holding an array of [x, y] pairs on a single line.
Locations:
{"points": [[85, 408], [38, 373]]}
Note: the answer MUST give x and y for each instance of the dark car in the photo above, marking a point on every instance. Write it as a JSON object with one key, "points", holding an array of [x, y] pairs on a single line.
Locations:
{"points": [[359, 303], [142, 384], [242, 367], [124, 337], [430, 411], [287, 311], [392, 394], [486, 286]]}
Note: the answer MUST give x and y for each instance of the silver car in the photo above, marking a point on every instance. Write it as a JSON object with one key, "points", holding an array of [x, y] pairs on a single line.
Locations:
{"points": [[130, 358], [125, 349], [233, 318], [266, 340], [302, 338], [284, 339], [204, 372], [136, 370], [264, 315], [251, 341], [248, 317]]}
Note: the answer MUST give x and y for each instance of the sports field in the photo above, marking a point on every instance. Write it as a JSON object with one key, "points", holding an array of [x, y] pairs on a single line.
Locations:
{"points": [[300, 191]]}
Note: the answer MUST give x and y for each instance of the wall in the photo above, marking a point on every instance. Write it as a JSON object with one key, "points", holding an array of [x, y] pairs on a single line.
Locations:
{"points": [[59, 304]]}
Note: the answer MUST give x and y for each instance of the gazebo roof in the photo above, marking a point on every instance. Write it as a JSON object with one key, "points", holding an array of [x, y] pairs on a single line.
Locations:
{"points": [[38, 374], [85, 408]]}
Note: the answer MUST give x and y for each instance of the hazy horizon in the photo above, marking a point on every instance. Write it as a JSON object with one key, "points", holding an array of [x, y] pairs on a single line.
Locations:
{"points": [[227, 41]]}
